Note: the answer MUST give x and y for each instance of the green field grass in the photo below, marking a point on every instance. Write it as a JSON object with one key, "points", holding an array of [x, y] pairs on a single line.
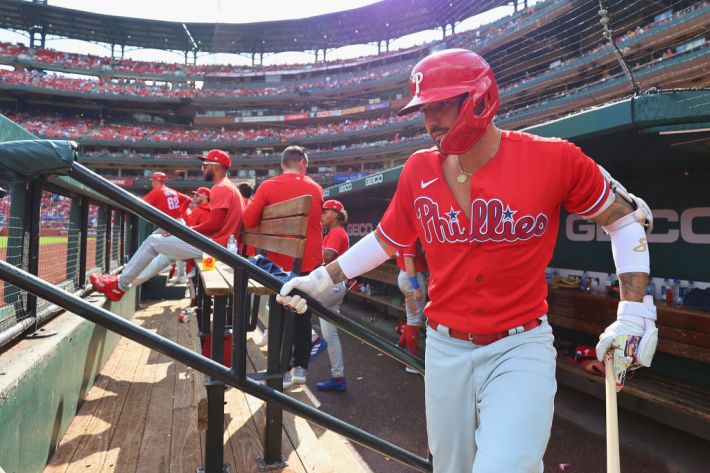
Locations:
{"points": [[42, 240]]}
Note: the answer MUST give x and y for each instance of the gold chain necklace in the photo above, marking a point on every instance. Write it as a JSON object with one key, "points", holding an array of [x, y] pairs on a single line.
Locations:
{"points": [[462, 176]]}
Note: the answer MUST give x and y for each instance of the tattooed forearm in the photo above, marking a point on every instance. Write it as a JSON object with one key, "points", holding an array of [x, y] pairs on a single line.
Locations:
{"points": [[619, 208], [632, 286], [335, 272]]}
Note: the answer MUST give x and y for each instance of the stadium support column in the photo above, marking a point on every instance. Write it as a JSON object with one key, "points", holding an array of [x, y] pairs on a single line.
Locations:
{"points": [[379, 48]]}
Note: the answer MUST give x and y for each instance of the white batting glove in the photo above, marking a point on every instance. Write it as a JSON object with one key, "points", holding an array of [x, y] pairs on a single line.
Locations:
{"points": [[633, 338], [317, 282]]}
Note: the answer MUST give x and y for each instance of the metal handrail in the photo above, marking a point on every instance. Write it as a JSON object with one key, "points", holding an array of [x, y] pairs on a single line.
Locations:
{"points": [[70, 302]]}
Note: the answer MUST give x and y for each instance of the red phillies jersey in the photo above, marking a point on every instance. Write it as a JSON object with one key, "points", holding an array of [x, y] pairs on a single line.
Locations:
{"points": [[336, 240], [415, 251], [168, 200], [488, 274], [224, 195], [284, 187], [198, 215]]}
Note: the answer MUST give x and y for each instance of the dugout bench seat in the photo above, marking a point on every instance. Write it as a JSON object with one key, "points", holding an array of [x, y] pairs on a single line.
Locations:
{"points": [[387, 295], [675, 390], [283, 230]]}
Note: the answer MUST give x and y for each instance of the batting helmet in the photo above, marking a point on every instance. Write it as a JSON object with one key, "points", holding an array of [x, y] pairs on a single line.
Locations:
{"points": [[159, 176], [450, 73], [333, 205]]}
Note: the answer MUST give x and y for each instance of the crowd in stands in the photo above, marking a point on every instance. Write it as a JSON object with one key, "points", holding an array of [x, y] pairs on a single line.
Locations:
{"points": [[86, 129], [90, 85], [123, 87], [107, 65], [619, 41], [312, 151], [103, 64]]}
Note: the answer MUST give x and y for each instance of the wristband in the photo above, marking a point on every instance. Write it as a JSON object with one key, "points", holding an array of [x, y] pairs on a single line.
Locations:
{"points": [[629, 247], [414, 282]]}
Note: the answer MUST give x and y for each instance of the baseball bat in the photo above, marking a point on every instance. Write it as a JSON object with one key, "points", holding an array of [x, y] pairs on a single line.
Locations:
{"points": [[613, 462]]}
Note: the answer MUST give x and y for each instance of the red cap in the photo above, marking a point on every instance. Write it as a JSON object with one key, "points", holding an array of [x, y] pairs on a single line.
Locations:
{"points": [[217, 156], [159, 176], [333, 205], [202, 191]]}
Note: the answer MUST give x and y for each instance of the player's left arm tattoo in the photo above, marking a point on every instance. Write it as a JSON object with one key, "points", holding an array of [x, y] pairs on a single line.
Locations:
{"points": [[619, 208], [632, 286], [335, 272]]}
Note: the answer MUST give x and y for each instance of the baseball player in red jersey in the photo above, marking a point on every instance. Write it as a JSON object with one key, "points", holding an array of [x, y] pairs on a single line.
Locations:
{"points": [[335, 243], [200, 213], [293, 183], [412, 282], [164, 198], [485, 203], [226, 209], [173, 203]]}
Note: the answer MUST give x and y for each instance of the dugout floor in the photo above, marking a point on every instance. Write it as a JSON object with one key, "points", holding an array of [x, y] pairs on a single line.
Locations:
{"points": [[140, 417]]}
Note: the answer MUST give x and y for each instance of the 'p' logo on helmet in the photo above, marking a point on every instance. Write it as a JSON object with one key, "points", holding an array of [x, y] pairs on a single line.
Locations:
{"points": [[417, 79]]}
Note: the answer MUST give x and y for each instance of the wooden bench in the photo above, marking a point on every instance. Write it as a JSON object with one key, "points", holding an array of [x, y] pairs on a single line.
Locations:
{"points": [[282, 230], [666, 391], [385, 278]]}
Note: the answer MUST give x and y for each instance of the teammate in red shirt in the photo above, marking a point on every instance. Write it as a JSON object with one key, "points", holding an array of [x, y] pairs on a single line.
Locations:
{"points": [[412, 282], [485, 204], [164, 198], [226, 209], [200, 213], [293, 183], [335, 243]]}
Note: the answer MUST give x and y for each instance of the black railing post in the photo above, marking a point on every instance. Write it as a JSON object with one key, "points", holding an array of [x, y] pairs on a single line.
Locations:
{"points": [[33, 225], [101, 243], [106, 264], [122, 238], [240, 310], [74, 241], [274, 415], [83, 240], [255, 303], [214, 443]]}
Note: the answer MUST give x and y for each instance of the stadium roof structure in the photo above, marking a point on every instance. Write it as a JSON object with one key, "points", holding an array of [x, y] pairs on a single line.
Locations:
{"points": [[381, 21]]}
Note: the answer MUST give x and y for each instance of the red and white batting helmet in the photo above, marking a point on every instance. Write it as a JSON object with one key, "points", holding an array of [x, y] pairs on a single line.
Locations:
{"points": [[450, 73], [159, 176], [333, 205]]}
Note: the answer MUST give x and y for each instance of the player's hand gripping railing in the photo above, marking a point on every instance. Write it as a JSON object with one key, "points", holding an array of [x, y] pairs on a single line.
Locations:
{"points": [[236, 376]]}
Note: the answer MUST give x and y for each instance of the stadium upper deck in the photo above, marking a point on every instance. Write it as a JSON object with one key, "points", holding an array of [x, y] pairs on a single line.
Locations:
{"points": [[550, 59]]}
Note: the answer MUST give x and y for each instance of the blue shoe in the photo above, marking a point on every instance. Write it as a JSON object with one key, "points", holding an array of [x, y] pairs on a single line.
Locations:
{"points": [[317, 348], [332, 385]]}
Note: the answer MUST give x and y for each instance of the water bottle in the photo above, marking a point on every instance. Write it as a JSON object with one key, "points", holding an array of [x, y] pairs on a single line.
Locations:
{"points": [[676, 291], [669, 292], [583, 282], [608, 284], [232, 245], [650, 289]]}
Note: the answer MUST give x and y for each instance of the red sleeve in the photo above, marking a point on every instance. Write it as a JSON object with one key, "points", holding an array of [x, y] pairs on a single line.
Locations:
{"points": [[152, 197], [397, 226], [217, 218], [184, 202], [411, 250], [252, 213], [586, 191]]}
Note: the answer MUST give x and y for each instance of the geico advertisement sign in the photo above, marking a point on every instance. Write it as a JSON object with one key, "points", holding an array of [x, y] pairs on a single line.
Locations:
{"points": [[679, 227], [359, 229], [375, 179]]}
